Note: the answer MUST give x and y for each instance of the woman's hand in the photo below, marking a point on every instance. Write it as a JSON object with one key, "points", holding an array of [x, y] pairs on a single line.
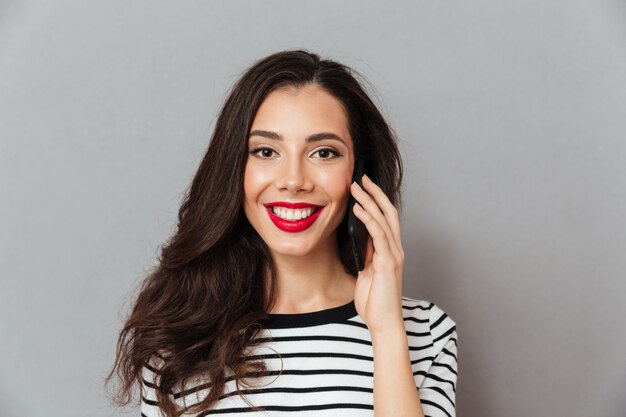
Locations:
{"points": [[378, 293]]}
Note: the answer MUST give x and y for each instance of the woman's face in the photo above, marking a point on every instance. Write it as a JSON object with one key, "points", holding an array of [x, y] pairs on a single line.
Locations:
{"points": [[282, 167]]}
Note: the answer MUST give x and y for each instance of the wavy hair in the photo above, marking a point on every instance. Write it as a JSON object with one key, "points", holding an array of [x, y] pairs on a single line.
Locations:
{"points": [[201, 306]]}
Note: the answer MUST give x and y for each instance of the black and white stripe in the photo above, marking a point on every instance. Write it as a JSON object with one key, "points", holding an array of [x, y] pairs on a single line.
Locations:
{"points": [[327, 366]]}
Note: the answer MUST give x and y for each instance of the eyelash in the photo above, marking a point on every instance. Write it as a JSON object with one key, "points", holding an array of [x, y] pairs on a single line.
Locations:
{"points": [[336, 154]]}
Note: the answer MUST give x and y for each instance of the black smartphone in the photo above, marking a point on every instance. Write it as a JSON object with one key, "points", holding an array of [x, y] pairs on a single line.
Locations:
{"points": [[356, 229]]}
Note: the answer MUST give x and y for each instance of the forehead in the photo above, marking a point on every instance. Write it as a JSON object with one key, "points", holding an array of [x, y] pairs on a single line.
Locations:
{"points": [[300, 112]]}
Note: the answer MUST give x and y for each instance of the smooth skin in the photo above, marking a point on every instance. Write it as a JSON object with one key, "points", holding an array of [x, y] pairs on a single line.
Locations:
{"points": [[310, 275]]}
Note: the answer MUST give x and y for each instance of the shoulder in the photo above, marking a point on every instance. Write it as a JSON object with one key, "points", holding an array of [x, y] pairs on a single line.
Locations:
{"points": [[150, 374], [433, 350], [152, 369], [429, 317]]}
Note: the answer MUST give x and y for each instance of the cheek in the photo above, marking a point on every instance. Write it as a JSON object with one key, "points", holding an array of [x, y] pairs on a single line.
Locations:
{"points": [[250, 184], [337, 184], [255, 181]]}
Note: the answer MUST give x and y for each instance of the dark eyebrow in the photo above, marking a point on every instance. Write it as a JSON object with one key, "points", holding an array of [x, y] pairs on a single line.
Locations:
{"points": [[316, 137]]}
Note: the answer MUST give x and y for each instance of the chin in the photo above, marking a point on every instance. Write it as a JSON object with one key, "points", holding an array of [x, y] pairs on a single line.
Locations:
{"points": [[291, 250]]}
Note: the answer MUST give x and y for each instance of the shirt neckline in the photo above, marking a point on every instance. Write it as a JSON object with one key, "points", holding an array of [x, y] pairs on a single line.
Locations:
{"points": [[314, 318]]}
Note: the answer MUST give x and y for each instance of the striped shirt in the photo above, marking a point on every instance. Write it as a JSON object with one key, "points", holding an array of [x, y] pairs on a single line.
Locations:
{"points": [[327, 366]]}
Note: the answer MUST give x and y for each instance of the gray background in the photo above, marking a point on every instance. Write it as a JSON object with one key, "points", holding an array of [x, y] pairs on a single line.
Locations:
{"points": [[512, 121]]}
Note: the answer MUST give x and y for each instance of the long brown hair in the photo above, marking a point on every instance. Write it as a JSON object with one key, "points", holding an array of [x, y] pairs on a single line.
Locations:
{"points": [[206, 300]]}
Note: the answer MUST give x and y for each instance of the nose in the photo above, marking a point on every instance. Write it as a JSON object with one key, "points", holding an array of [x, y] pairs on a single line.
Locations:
{"points": [[294, 176]]}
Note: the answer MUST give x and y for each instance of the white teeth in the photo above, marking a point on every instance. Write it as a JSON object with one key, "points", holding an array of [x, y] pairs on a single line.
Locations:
{"points": [[289, 214]]}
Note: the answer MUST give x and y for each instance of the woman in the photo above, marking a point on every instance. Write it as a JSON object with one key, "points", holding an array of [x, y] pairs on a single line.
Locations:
{"points": [[258, 287]]}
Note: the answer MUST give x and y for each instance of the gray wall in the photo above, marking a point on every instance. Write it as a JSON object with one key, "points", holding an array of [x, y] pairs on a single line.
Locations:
{"points": [[512, 121]]}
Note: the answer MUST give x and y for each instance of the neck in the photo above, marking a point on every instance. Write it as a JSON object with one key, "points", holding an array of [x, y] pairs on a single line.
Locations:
{"points": [[311, 282]]}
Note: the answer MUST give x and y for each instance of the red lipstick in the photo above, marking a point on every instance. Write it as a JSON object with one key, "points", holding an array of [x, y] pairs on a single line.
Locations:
{"points": [[293, 226], [289, 205]]}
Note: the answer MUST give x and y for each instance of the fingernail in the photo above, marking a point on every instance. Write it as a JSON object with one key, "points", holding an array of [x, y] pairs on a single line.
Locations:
{"points": [[357, 185]]}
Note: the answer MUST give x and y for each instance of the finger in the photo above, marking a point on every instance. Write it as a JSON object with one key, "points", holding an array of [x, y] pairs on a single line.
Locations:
{"points": [[389, 210], [370, 205], [379, 238]]}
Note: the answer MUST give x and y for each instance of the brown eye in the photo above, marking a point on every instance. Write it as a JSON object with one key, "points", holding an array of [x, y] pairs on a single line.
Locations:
{"points": [[325, 152], [267, 152]]}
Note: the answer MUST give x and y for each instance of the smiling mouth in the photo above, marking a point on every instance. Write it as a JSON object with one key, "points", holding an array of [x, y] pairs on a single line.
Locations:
{"points": [[312, 210], [294, 225]]}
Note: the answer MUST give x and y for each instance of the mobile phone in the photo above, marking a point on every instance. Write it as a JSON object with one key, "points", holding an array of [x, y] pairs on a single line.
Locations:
{"points": [[356, 229]]}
